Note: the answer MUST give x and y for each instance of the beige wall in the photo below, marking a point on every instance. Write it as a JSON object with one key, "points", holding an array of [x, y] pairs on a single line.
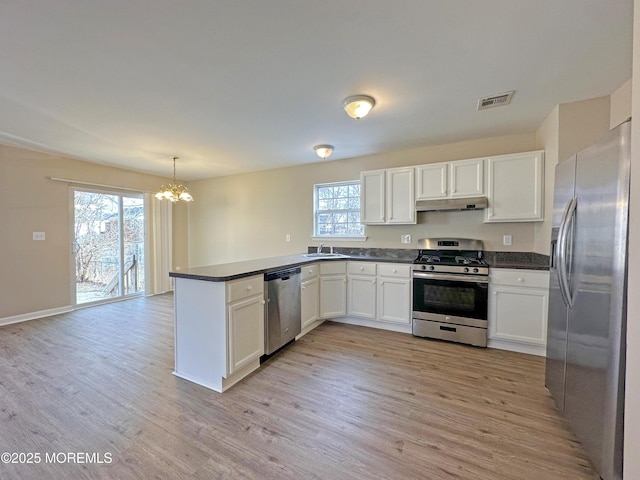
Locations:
{"points": [[632, 397], [180, 253], [547, 138], [569, 128], [247, 216], [36, 274], [581, 124]]}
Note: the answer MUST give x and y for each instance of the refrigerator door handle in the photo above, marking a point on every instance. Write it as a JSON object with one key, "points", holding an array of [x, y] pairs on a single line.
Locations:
{"points": [[563, 239], [560, 252], [568, 268]]}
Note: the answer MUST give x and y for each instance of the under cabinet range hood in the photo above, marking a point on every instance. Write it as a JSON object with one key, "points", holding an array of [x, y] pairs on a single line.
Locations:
{"points": [[470, 203]]}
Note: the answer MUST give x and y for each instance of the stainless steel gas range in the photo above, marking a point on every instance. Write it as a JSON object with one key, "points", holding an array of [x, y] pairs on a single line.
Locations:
{"points": [[450, 291]]}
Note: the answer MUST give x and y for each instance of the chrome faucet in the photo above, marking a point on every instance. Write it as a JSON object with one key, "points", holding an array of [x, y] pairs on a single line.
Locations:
{"points": [[320, 248]]}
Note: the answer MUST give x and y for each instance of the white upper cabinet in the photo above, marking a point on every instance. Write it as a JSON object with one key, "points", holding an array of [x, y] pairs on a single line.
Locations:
{"points": [[462, 178], [387, 196], [515, 187], [401, 200], [431, 181], [466, 178], [372, 197]]}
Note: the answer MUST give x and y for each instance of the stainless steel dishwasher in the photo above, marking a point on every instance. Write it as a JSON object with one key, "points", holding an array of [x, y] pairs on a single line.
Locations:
{"points": [[282, 308]]}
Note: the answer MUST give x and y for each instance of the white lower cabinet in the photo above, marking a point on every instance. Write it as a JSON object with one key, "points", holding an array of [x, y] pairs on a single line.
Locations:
{"points": [[309, 295], [380, 292], [333, 289], [518, 307], [361, 289], [246, 332], [394, 300], [219, 330]]}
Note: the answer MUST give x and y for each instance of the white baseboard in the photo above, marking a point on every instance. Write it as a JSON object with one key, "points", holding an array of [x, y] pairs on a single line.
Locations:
{"points": [[520, 347], [308, 328], [362, 322], [56, 311], [34, 315]]}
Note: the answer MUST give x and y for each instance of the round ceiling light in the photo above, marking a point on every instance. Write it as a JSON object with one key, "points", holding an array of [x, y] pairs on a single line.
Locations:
{"points": [[358, 106], [323, 151]]}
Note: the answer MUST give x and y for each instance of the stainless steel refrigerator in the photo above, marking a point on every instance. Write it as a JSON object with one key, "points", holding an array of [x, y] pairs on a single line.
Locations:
{"points": [[587, 304]]}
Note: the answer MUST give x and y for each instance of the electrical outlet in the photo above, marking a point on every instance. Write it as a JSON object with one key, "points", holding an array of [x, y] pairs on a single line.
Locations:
{"points": [[287, 237], [38, 235], [405, 238], [507, 240]]}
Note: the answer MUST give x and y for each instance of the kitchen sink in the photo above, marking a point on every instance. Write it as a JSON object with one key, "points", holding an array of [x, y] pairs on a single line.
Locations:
{"points": [[325, 255]]}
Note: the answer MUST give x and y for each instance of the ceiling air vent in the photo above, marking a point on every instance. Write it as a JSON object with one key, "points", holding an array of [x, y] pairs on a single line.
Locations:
{"points": [[495, 100]]}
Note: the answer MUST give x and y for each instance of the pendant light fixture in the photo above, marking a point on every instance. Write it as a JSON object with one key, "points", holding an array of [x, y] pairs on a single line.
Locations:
{"points": [[323, 151], [173, 191], [358, 106]]}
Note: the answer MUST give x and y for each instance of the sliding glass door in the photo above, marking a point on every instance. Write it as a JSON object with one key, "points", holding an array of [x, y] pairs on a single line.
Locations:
{"points": [[108, 245]]}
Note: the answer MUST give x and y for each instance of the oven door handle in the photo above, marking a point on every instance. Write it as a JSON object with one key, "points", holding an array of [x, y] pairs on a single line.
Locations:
{"points": [[452, 277]]}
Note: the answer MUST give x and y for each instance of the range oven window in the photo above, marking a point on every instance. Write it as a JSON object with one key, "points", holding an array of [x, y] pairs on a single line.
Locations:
{"points": [[445, 297]]}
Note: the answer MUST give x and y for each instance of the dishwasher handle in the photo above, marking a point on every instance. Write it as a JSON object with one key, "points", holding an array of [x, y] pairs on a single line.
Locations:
{"points": [[282, 274]]}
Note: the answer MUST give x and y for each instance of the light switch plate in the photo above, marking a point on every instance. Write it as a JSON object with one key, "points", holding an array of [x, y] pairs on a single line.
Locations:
{"points": [[507, 240], [405, 238], [38, 235]]}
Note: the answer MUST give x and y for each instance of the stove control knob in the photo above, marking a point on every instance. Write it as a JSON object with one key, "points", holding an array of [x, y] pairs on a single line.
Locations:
{"points": [[423, 267], [465, 269], [432, 267], [475, 270]]}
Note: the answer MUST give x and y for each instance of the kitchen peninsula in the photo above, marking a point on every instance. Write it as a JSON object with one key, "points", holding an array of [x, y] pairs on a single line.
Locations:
{"points": [[219, 312], [219, 309]]}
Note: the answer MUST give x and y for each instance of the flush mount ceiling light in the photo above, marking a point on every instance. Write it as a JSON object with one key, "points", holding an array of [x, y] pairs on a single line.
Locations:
{"points": [[173, 191], [357, 106], [323, 151]]}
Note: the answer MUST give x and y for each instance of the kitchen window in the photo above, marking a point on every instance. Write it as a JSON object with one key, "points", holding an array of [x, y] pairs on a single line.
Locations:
{"points": [[337, 211]]}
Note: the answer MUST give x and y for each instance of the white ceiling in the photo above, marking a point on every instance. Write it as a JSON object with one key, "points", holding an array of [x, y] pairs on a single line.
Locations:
{"points": [[241, 85]]}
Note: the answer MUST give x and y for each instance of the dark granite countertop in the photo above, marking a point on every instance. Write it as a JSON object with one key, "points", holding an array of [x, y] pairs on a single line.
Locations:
{"points": [[231, 271]]}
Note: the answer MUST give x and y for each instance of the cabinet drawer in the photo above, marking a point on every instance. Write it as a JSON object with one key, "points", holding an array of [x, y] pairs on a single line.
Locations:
{"points": [[333, 268], [309, 271], [394, 270], [523, 278], [244, 287], [361, 268]]}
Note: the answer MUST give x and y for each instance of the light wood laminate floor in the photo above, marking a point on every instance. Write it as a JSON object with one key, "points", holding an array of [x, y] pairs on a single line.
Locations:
{"points": [[344, 402]]}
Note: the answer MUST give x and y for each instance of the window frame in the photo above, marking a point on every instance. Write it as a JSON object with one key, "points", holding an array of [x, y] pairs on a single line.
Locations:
{"points": [[316, 212]]}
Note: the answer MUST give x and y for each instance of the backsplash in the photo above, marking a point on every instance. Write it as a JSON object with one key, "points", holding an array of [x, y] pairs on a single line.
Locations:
{"points": [[404, 254], [529, 260]]}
